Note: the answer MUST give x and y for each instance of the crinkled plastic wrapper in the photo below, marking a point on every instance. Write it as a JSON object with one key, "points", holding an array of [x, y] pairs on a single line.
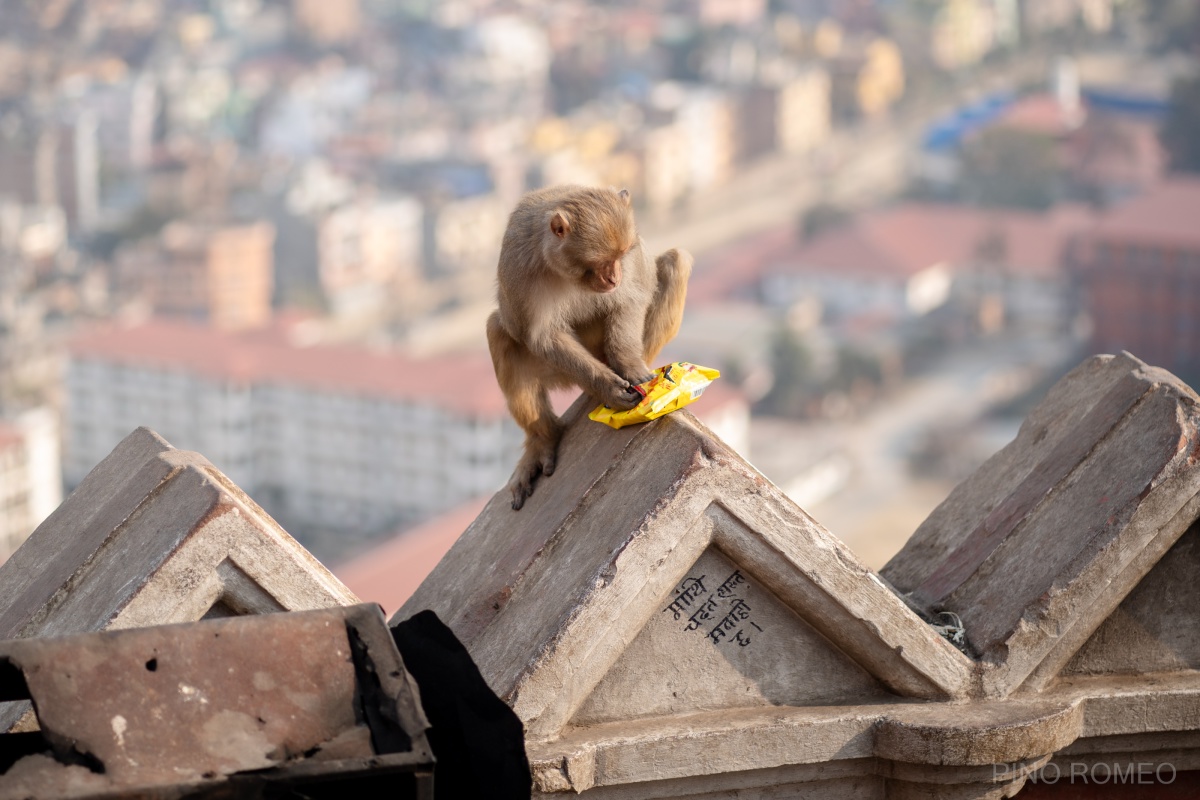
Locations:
{"points": [[673, 387]]}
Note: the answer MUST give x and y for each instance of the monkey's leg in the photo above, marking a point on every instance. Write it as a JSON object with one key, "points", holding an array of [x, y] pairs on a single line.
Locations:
{"points": [[666, 312], [520, 375]]}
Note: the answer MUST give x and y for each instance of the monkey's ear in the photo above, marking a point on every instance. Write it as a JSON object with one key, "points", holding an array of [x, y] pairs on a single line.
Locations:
{"points": [[624, 195], [560, 223]]}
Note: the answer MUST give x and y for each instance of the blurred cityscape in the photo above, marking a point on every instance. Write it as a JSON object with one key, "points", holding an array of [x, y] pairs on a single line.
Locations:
{"points": [[268, 230]]}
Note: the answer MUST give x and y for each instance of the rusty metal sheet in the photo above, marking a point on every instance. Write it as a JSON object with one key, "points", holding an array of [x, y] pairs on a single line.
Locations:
{"points": [[186, 705]]}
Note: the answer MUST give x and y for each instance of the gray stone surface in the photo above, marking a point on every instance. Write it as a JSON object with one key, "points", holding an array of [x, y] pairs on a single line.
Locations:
{"points": [[1154, 627], [549, 598], [736, 648], [840, 689], [668, 624], [155, 535], [1034, 550]]}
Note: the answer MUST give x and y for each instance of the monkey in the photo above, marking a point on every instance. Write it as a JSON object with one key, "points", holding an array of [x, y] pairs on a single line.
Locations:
{"points": [[579, 303]]}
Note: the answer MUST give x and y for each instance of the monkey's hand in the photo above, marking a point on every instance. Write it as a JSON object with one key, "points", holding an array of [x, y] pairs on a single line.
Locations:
{"points": [[620, 395], [632, 370], [640, 377]]}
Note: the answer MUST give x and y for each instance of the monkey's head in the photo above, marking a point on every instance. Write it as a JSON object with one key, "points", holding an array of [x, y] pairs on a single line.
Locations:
{"points": [[590, 233]]}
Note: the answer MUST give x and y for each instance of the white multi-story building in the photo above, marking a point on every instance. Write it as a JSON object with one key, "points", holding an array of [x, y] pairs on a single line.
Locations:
{"points": [[30, 477], [327, 439]]}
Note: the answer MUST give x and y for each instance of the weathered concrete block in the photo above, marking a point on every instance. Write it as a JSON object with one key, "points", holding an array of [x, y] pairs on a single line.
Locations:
{"points": [[668, 624], [1039, 546], [222, 708], [155, 535]]}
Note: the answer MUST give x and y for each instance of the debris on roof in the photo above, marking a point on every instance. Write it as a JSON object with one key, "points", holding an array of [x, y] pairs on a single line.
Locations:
{"points": [[219, 708]]}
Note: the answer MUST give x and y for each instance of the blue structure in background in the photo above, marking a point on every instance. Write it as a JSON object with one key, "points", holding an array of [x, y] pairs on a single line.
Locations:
{"points": [[1117, 101], [947, 133]]}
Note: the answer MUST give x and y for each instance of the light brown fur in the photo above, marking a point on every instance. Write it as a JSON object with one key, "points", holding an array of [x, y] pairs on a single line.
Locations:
{"points": [[580, 304]]}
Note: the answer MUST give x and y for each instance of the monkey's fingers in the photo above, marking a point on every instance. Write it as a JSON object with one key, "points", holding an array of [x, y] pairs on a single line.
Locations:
{"points": [[623, 399], [638, 380]]}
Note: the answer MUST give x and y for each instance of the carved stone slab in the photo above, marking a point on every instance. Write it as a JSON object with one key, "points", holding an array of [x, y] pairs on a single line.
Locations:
{"points": [[1035, 549], [667, 624], [569, 606], [155, 535]]}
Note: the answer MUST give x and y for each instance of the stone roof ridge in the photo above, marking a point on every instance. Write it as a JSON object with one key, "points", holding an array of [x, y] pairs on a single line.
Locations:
{"points": [[1039, 546], [155, 535], [561, 602]]}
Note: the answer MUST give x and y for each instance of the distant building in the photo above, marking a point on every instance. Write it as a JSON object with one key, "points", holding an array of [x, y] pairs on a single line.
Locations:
{"points": [[48, 163], [329, 23], [904, 262], [791, 114], [867, 79], [203, 271], [715, 13], [30, 477], [1141, 270], [462, 244], [962, 33], [689, 145], [367, 251], [335, 442], [125, 113], [665, 167]]}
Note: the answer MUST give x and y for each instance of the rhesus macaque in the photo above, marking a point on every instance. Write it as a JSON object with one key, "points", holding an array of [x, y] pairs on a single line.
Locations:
{"points": [[582, 304]]}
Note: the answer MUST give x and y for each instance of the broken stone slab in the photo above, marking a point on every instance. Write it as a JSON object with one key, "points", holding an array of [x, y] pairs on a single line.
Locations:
{"points": [[1042, 543], [155, 535], [219, 708]]}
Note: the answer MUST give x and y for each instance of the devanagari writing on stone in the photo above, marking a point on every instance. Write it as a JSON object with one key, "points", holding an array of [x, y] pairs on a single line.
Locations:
{"points": [[687, 592], [724, 599], [730, 585], [702, 614], [740, 610]]}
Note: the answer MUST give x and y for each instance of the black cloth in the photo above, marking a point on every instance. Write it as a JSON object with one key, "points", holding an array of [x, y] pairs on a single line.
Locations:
{"points": [[478, 741]]}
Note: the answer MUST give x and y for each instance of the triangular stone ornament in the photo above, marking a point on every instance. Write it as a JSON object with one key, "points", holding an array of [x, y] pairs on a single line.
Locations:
{"points": [[155, 535], [556, 598], [1037, 548], [729, 643], [1154, 627]]}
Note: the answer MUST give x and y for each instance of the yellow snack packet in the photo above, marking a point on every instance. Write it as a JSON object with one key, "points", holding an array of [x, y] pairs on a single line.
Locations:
{"points": [[673, 387]]}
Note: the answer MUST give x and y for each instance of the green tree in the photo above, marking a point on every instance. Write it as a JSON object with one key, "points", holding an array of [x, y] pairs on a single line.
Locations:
{"points": [[1180, 133], [822, 217], [1006, 167], [791, 364], [1174, 24]]}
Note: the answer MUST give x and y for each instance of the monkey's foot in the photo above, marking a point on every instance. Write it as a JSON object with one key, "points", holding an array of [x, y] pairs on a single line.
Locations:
{"points": [[674, 266], [536, 461]]}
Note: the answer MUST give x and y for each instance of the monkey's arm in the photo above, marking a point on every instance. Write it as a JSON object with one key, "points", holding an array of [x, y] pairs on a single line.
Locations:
{"points": [[563, 350], [623, 345]]}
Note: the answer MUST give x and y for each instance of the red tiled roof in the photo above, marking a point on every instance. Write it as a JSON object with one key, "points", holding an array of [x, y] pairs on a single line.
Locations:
{"points": [[1167, 214], [901, 241], [390, 573], [722, 272], [462, 383], [1040, 113]]}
